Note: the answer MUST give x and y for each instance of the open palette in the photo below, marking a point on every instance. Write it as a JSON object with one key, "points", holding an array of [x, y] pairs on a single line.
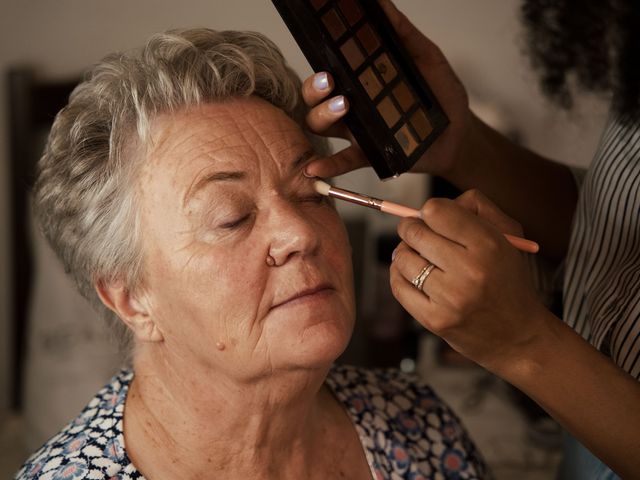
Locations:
{"points": [[393, 114]]}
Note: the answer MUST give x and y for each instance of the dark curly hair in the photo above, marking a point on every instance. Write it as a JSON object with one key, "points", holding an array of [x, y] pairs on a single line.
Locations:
{"points": [[594, 43]]}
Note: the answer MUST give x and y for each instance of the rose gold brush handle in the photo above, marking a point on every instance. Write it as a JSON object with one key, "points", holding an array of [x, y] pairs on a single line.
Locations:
{"points": [[398, 210]]}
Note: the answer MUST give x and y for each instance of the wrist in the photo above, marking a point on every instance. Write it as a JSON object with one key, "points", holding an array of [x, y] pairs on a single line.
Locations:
{"points": [[531, 357], [471, 144]]}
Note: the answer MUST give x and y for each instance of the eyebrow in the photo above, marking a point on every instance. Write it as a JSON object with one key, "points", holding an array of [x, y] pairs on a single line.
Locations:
{"points": [[238, 175]]}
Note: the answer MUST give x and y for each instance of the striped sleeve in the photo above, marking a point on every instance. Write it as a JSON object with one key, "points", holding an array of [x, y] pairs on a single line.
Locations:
{"points": [[601, 292]]}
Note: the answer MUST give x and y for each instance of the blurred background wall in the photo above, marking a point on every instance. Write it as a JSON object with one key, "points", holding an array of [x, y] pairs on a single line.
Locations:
{"points": [[482, 39]]}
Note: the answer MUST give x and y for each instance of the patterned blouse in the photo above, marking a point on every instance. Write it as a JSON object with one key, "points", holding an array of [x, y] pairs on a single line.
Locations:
{"points": [[406, 431]]}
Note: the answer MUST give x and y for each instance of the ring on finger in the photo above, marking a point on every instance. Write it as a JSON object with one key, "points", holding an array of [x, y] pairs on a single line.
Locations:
{"points": [[419, 279]]}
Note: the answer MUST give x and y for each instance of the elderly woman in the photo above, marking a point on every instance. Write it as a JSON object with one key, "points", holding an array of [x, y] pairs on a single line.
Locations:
{"points": [[172, 188]]}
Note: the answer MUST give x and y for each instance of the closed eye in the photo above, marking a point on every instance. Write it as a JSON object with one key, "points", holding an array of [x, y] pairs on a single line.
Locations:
{"points": [[319, 199], [235, 223]]}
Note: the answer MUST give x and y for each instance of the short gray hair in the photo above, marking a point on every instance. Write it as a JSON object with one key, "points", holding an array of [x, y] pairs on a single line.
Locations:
{"points": [[83, 196]]}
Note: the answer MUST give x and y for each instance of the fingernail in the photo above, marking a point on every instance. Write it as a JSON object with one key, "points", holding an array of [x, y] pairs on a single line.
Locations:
{"points": [[393, 254], [321, 81], [337, 104], [307, 174]]}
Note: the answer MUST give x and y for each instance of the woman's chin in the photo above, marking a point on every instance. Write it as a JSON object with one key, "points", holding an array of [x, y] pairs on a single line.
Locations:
{"points": [[325, 343], [315, 345]]}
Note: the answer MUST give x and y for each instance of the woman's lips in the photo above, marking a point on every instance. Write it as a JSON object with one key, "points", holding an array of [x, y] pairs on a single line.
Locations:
{"points": [[308, 294]]}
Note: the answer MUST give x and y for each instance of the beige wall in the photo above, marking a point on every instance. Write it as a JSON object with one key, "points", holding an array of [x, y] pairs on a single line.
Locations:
{"points": [[61, 37]]}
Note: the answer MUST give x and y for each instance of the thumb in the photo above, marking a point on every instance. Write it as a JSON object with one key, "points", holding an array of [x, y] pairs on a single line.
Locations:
{"points": [[344, 161]]}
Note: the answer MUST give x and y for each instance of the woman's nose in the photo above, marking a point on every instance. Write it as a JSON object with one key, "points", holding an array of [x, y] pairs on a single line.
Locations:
{"points": [[291, 234]]}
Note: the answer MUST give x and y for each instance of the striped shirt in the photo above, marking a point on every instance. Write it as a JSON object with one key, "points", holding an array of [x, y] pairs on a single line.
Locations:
{"points": [[602, 274]]}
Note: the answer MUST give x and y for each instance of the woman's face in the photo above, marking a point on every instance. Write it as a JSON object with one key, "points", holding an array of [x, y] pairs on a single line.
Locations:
{"points": [[221, 191]]}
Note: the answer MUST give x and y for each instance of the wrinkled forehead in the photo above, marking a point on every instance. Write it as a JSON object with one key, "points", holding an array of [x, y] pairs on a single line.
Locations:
{"points": [[246, 133]]}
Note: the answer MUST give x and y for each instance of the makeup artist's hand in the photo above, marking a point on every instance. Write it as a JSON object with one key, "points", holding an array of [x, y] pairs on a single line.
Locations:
{"points": [[479, 298], [324, 117]]}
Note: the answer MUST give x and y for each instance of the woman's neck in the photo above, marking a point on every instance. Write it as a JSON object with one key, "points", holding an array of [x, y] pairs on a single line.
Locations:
{"points": [[195, 423]]}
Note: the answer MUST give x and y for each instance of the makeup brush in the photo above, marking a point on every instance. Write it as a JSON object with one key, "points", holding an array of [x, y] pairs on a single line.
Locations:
{"points": [[398, 210]]}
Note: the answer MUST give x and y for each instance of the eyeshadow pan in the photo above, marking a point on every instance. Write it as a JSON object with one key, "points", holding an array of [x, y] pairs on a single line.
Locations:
{"points": [[388, 111], [385, 68], [352, 53], [368, 38], [350, 10], [406, 140], [334, 24], [370, 83], [421, 124], [404, 96], [318, 4]]}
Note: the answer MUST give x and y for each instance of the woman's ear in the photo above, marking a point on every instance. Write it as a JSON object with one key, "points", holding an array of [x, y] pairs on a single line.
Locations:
{"points": [[133, 309]]}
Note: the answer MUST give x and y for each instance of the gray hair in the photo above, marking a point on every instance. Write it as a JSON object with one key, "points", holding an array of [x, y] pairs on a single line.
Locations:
{"points": [[83, 196]]}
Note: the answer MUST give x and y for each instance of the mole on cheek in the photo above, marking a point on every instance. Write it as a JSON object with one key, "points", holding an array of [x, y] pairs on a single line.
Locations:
{"points": [[220, 346]]}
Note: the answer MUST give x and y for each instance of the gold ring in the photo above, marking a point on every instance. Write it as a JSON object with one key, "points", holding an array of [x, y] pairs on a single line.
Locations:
{"points": [[419, 279]]}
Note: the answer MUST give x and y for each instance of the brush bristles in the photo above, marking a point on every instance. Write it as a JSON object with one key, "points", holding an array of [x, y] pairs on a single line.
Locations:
{"points": [[322, 187]]}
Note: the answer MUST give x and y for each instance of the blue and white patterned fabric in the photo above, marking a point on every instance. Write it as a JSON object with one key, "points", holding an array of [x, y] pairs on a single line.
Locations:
{"points": [[406, 432]]}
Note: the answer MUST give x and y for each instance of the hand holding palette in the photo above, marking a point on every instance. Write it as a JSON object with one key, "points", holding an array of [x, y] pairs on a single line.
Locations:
{"points": [[393, 114]]}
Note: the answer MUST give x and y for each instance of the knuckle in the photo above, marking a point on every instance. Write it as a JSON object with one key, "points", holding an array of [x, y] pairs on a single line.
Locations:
{"points": [[433, 207], [401, 257], [493, 246], [395, 283], [395, 289], [413, 232], [468, 195], [489, 245], [475, 194], [402, 225], [477, 278]]}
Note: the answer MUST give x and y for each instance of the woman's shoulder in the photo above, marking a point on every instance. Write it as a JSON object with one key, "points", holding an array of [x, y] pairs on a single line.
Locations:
{"points": [[403, 424], [90, 446], [406, 390]]}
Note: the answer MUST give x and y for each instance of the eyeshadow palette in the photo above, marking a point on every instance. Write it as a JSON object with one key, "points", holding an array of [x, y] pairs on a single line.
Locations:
{"points": [[393, 114]]}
